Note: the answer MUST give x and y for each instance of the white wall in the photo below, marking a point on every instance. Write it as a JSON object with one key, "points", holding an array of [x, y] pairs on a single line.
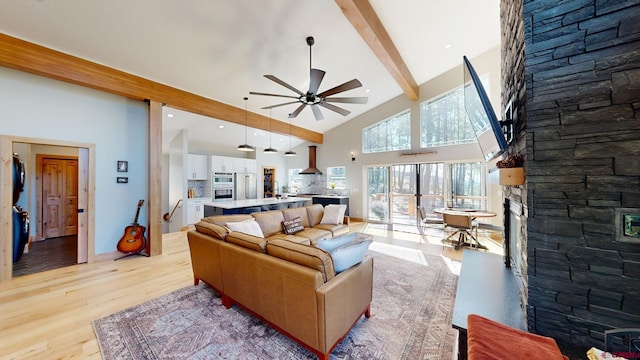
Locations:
{"points": [[42, 108], [343, 140]]}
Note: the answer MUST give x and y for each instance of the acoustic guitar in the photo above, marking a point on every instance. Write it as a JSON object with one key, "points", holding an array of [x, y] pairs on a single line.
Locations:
{"points": [[133, 240]]}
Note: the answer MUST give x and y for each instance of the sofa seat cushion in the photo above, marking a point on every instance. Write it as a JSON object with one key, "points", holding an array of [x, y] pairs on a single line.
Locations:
{"points": [[292, 213], [293, 238], [336, 230], [314, 234], [270, 221], [304, 255]]}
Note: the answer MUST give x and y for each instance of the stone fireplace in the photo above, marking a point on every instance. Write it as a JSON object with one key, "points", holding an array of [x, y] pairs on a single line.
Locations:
{"points": [[571, 71]]}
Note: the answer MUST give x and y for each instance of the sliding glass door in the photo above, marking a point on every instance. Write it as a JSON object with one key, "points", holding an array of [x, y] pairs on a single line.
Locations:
{"points": [[432, 186], [403, 194], [378, 194], [395, 192]]}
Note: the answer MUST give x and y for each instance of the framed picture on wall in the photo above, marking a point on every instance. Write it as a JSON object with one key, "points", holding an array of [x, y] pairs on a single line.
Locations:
{"points": [[123, 166], [122, 180]]}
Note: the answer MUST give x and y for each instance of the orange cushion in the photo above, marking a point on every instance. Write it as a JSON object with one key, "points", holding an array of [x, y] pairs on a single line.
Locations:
{"points": [[489, 340]]}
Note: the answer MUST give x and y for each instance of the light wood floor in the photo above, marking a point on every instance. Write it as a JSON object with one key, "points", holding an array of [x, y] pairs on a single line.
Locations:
{"points": [[49, 315]]}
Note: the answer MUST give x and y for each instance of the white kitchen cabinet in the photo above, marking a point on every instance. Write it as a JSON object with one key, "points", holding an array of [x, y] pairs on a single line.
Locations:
{"points": [[198, 167], [195, 211], [243, 165], [222, 164]]}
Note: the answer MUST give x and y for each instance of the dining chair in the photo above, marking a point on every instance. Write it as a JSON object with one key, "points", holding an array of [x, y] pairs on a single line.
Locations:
{"points": [[464, 227], [426, 220]]}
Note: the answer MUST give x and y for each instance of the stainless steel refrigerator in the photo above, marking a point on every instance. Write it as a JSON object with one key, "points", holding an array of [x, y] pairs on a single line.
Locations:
{"points": [[246, 186]]}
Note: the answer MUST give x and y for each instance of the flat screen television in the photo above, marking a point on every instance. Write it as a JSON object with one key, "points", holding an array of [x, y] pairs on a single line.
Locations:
{"points": [[483, 119]]}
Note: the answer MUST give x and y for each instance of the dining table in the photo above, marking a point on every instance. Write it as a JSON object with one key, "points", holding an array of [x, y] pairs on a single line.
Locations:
{"points": [[474, 213]]}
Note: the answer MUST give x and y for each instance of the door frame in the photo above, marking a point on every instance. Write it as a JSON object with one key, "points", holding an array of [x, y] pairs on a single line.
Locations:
{"points": [[86, 198]]}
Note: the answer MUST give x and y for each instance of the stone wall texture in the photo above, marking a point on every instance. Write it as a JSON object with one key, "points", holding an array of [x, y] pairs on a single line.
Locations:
{"points": [[576, 79]]}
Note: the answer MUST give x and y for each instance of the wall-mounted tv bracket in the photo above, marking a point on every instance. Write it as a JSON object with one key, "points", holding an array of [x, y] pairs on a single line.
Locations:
{"points": [[507, 123]]}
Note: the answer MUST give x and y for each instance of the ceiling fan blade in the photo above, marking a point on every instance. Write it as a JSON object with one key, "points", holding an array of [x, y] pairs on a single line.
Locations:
{"points": [[275, 79], [297, 111], [355, 83], [316, 112], [349, 100], [316, 79], [339, 110], [267, 94], [273, 106]]}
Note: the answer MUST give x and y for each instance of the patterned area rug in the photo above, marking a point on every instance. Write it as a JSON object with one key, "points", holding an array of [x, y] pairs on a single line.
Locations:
{"points": [[411, 313]]}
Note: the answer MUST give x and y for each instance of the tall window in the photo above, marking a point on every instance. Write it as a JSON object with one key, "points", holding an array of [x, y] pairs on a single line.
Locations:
{"points": [[337, 177], [444, 121], [390, 134]]}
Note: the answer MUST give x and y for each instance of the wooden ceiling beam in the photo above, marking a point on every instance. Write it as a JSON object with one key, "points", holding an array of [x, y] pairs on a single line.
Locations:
{"points": [[365, 20], [35, 59]]}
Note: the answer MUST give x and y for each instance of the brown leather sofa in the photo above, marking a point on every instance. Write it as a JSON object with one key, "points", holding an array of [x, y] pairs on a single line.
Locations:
{"points": [[281, 279]]}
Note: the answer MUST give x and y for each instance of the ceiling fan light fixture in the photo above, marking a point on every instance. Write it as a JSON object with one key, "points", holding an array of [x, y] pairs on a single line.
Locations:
{"points": [[290, 153], [312, 97], [246, 147]]}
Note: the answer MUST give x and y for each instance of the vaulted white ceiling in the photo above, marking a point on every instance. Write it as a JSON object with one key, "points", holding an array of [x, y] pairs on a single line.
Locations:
{"points": [[221, 49]]}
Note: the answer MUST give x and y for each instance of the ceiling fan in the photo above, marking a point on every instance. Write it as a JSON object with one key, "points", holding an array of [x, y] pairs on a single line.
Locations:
{"points": [[312, 97]]}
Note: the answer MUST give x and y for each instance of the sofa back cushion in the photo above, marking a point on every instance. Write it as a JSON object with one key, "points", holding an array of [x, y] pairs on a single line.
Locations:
{"points": [[247, 241], [222, 220], [314, 212], [270, 222], [304, 255], [292, 213], [216, 231]]}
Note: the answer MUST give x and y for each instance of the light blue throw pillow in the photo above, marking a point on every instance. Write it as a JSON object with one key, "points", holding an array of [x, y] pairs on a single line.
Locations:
{"points": [[331, 244], [348, 255]]}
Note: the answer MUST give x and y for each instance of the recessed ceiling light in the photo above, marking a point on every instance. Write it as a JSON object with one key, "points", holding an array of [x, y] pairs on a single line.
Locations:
{"points": [[448, 46], [255, 134], [220, 126], [170, 115], [368, 91]]}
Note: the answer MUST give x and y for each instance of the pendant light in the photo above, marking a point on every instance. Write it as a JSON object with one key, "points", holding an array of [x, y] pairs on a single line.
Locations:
{"points": [[246, 146], [270, 150], [290, 153]]}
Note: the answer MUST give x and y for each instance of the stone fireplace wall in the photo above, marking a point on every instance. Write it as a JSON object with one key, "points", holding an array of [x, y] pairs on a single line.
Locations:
{"points": [[576, 79]]}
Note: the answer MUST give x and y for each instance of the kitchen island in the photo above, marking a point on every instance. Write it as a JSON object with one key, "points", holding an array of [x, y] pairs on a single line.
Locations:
{"points": [[325, 200], [252, 205]]}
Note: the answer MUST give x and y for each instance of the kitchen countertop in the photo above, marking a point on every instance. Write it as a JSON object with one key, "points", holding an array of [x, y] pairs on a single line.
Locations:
{"points": [[235, 204], [332, 196]]}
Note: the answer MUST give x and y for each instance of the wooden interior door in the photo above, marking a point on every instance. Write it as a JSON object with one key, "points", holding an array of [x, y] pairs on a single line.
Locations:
{"points": [[60, 197]]}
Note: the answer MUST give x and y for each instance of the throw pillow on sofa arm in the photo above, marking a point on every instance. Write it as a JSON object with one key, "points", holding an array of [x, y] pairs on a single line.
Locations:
{"points": [[349, 255], [330, 244]]}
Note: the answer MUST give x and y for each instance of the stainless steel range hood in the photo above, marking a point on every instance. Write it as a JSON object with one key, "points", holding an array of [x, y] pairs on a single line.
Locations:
{"points": [[311, 170]]}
